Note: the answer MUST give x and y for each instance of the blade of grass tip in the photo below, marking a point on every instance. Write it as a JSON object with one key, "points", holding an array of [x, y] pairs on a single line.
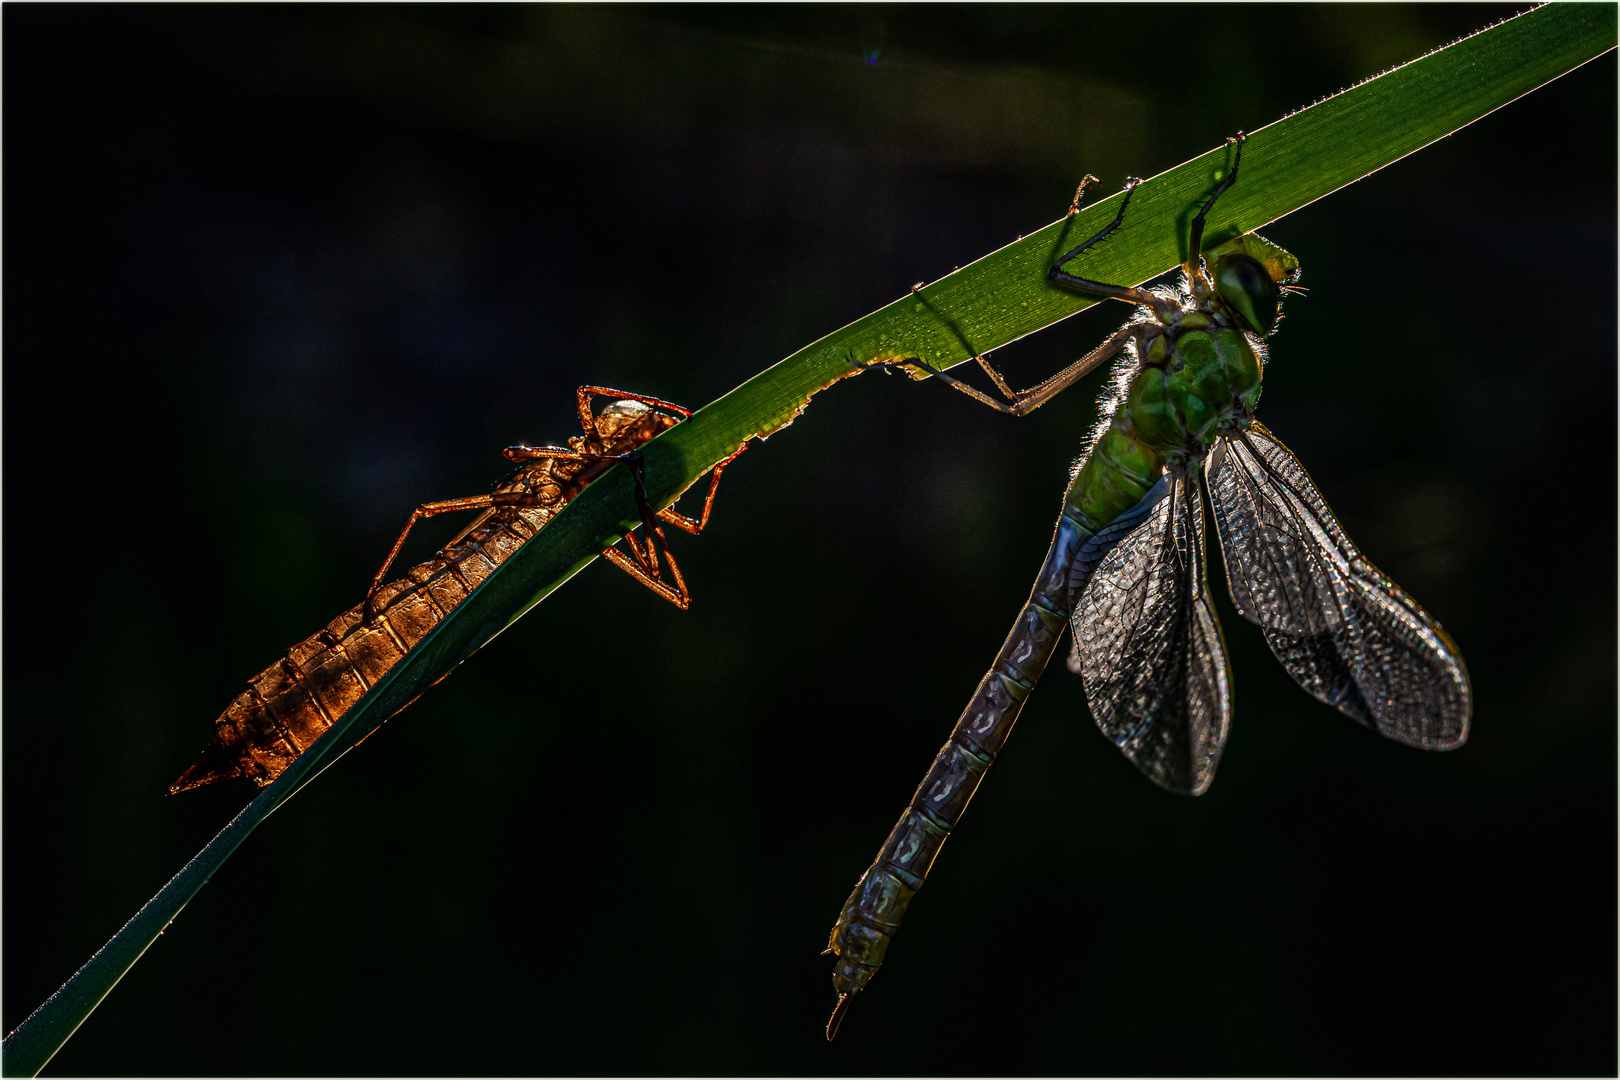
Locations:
{"points": [[37, 1039], [989, 303]]}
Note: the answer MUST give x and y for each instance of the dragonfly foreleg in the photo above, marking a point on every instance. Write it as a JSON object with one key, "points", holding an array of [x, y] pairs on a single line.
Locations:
{"points": [[1195, 236], [1074, 208], [1079, 193]]}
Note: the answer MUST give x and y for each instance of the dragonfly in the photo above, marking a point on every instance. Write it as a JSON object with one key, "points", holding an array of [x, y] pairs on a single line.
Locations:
{"points": [[1125, 571], [291, 703]]}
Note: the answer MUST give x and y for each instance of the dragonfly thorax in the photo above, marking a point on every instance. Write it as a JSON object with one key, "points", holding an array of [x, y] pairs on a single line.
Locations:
{"points": [[1194, 382], [1191, 377], [1194, 378]]}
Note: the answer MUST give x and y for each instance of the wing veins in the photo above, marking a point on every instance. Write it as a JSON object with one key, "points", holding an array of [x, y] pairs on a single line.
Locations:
{"points": [[1156, 673], [1377, 638]]}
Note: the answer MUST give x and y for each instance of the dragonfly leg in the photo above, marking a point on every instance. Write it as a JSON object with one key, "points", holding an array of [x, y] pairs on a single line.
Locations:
{"points": [[1131, 183], [669, 513], [1022, 402], [913, 363], [1027, 401], [1058, 276], [587, 419], [1079, 192], [1195, 236], [643, 563], [638, 473], [995, 376]]}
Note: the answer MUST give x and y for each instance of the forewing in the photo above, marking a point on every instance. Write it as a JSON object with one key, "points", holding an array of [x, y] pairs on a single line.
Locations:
{"points": [[1346, 633], [1150, 650]]}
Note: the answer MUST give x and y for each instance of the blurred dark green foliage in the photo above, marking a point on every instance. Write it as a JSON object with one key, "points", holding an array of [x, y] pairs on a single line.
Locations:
{"points": [[276, 275]]}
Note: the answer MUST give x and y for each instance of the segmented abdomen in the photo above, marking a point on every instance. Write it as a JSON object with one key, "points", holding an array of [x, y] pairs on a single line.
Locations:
{"points": [[292, 702], [872, 913]]}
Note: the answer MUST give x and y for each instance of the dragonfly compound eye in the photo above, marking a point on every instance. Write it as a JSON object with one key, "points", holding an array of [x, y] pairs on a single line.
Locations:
{"points": [[1248, 290]]}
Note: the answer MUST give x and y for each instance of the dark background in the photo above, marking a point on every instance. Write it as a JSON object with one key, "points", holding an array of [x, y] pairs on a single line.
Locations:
{"points": [[274, 276]]}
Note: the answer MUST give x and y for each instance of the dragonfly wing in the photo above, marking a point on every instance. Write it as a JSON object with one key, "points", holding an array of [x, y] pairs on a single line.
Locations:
{"points": [[1346, 633], [1150, 650]]}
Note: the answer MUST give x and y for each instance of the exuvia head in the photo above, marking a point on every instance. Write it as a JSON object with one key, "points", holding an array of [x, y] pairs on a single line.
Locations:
{"points": [[1248, 291], [619, 417]]}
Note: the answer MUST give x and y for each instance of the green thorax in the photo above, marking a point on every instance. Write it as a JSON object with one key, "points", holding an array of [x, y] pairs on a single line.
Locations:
{"points": [[1192, 377], [1193, 383]]}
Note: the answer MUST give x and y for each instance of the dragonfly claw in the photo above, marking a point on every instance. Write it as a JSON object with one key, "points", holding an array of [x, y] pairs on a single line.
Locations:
{"points": [[907, 364]]}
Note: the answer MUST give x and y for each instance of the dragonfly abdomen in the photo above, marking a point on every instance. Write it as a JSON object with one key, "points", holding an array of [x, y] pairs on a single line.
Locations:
{"points": [[1187, 385], [873, 911], [1114, 476]]}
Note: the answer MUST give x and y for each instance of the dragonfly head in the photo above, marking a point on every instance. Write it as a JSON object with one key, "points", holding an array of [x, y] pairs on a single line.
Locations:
{"points": [[1248, 291], [1250, 275]]}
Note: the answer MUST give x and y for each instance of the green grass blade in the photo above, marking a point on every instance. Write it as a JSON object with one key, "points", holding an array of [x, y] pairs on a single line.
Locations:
{"points": [[996, 300]]}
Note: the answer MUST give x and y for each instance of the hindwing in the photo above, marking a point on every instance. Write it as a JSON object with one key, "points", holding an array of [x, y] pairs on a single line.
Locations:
{"points": [[1150, 650]]}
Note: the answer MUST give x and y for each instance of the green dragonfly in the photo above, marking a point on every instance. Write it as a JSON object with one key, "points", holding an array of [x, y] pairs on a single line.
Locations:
{"points": [[1126, 571]]}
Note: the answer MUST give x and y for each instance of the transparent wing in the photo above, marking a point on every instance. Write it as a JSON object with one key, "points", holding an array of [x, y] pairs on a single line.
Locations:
{"points": [[1150, 650], [1346, 633]]}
